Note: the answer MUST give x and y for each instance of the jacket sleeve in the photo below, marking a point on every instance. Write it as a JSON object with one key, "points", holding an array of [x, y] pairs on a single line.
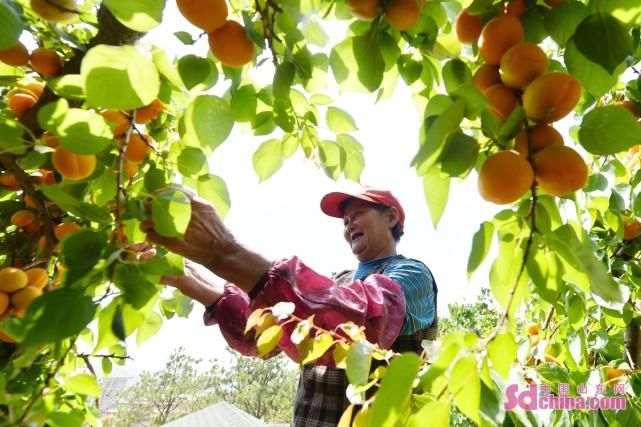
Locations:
{"points": [[377, 303]]}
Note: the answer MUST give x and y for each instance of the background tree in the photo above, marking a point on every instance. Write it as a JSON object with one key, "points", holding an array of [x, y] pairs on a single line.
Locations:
{"points": [[479, 317]]}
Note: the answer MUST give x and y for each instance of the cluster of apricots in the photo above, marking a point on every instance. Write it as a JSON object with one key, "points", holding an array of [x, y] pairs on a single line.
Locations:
{"points": [[23, 98], [18, 289], [228, 39], [400, 14], [514, 73], [42, 60]]}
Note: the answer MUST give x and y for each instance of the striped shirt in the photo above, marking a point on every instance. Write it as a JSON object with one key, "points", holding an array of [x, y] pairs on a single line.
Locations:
{"points": [[416, 280]]}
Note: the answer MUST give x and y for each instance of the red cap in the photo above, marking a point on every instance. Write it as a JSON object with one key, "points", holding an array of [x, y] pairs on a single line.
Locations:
{"points": [[331, 203]]}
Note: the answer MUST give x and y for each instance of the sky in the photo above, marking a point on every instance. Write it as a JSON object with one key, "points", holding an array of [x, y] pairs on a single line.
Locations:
{"points": [[280, 217]]}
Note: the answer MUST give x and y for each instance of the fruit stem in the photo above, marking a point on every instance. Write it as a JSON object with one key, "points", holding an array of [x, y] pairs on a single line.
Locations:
{"points": [[268, 24], [120, 190]]}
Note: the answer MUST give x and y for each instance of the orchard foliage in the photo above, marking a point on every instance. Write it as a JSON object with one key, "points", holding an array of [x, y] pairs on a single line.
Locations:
{"points": [[94, 125]]}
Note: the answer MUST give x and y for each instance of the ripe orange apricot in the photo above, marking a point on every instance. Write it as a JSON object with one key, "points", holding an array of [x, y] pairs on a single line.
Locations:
{"points": [[505, 177], [501, 100], [498, 35], [208, 15], [54, 10], [17, 55], [19, 103], [24, 297], [231, 45], [533, 329], [9, 181], [468, 27], [551, 97], [73, 166], [4, 302], [539, 137], [631, 227], [139, 147], [559, 170], [487, 75], [148, 113], [118, 120], [6, 338], [61, 230], [516, 8], [46, 62], [364, 9], [36, 87], [521, 64], [43, 176], [402, 14], [630, 106], [49, 139], [38, 277], [131, 168], [12, 279], [25, 219]]}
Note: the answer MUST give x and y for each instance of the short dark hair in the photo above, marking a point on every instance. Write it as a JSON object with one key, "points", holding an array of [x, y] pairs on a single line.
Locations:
{"points": [[397, 231]]}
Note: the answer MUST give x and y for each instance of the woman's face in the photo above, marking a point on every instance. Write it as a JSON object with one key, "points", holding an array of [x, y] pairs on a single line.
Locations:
{"points": [[368, 230]]}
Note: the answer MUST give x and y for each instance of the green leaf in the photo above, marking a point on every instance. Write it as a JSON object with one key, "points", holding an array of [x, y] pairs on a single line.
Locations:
{"points": [[191, 161], [459, 154], [66, 419], [563, 19], [580, 255], [465, 385], [243, 103], [268, 158], [354, 159], [455, 73], [140, 15], [166, 69], [290, 145], [393, 397], [268, 340], [546, 271], [628, 11], [283, 79], [81, 250], [316, 347], [502, 353], [576, 312], [11, 136], [118, 324], [437, 412], [409, 69], [171, 213], [82, 131], [10, 26], [314, 34], [593, 77], [57, 315], [340, 121], [603, 39], [480, 247], [195, 71], [370, 62], [214, 189], [609, 130], [68, 86], [359, 360], [119, 77], [107, 366], [136, 289], [184, 37], [83, 384], [436, 188], [332, 158], [435, 136], [475, 101], [149, 328], [209, 119], [504, 274]]}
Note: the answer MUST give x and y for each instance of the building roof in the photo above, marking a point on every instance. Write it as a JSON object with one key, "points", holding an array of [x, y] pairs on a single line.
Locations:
{"points": [[221, 414]]}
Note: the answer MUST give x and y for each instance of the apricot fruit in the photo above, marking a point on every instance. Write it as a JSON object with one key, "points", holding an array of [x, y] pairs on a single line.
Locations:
{"points": [[402, 14], [16, 56], [25, 219], [61, 230], [4, 302], [38, 277], [46, 62], [538, 137], [73, 166], [148, 113], [630, 106], [231, 46], [208, 15], [532, 329], [631, 227], [504, 177], [23, 298], [516, 8], [119, 121], [498, 35], [35, 87], [49, 139], [487, 75], [551, 97], [468, 27], [501, 100], [54, 10], [521, 64], [364, 9], [559, 170], [19, 103], [9, 181], [12, 279], [138, 148]]}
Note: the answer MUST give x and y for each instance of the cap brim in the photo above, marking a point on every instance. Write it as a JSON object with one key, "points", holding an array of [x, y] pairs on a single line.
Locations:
{"points": [[331, 203]]}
